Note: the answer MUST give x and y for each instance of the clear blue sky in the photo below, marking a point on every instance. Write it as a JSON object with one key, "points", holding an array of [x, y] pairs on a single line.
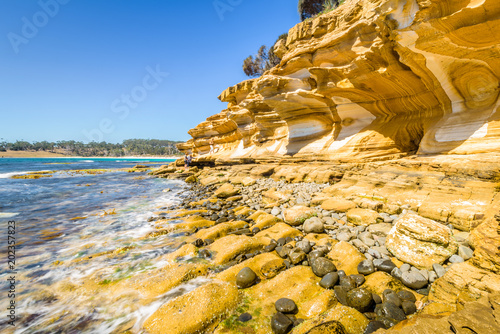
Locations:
{"points": [[66, 70]]}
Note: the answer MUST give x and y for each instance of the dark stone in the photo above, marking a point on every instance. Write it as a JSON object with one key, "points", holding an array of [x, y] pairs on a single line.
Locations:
{"points": [[281, 324], [305, 245], [341, 273], [270, 247], [397, 273], [205, 253], [282, 251], [329, 280], [255, 230], [360, 299], [288, 239], [199, 243], [244, 317], [221, 220], [281, 242], [315, 254], [359, 279], [391, 311], [385, 265], [245, 278], [424, 292], [376, 298], [214, 217], [373, 326], [249, 255], [341, 295], [407, 295], [285, 305], [370, 315], [413, 279], [392, 297], [388, 322], [287, 264], [409, 307], [296, 255], [322, 266], [347, 282], [208, 242], [366, 267]]}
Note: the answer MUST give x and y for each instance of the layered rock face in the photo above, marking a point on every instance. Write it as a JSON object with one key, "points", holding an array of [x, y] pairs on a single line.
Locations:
{"points": [[373, 78]]}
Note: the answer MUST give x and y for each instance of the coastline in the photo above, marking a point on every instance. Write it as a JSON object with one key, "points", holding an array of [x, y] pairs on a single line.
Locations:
{"points": [[267, 224], [238, 238], [29, 154]]}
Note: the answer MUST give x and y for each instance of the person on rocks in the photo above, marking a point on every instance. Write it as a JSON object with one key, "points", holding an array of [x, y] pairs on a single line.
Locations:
{"points": [[187, 160], [211, 143]]}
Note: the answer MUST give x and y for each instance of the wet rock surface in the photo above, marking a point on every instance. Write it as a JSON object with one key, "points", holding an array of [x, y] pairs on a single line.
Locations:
{"points": [[341, 261]]}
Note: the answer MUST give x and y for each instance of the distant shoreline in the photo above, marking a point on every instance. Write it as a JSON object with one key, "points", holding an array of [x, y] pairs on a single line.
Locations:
{"points": [[43, 154]]}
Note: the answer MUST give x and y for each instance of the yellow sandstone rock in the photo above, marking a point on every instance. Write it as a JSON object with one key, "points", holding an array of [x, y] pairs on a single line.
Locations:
{"points": [[373, 78], [464, 278], [227, 248], [297, 215], [297, 283], [265, 265], [194, 312], [338, 205], [363, 217], [346, 257], [226, 190], [280, 230], [157, 282], [420, 241], [351, 320]]}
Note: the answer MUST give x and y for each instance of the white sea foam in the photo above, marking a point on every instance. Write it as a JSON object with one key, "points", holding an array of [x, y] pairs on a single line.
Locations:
{"points": [[145, 312], [8, 214], [8, 175]]}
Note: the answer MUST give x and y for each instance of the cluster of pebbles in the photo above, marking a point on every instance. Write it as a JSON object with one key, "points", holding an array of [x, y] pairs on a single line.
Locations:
{"points": [[383, 311]]}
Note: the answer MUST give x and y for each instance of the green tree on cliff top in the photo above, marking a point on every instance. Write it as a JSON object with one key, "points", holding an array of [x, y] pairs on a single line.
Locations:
{"points": [[310, 8]]}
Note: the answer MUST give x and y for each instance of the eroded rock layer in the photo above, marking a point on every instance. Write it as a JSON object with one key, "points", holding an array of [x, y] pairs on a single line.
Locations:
{"points": [[373, 78]]}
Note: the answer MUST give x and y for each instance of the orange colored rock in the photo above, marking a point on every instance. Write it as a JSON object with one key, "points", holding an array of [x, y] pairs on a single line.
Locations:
{"points": [[373, 78]]}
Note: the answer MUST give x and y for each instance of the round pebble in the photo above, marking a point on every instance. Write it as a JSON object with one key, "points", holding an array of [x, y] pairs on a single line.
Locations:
{"points": [[322, 266], [407, 295], [281, 324], [373, 326], [329, 280], [286, 306], [360, 299], [245, 278], [244, 317], [389, 310], [366, 267], [409, 307]]}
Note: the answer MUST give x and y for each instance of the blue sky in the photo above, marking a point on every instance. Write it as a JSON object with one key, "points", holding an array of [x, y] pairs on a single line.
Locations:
{"points": [[118, 69]]}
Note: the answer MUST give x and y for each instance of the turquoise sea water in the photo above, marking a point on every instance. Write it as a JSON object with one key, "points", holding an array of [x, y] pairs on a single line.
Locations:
{"points": [[50, 241]]}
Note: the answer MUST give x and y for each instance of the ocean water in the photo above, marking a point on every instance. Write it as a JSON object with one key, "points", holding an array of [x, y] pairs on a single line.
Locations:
{"points": [[63, 225]]}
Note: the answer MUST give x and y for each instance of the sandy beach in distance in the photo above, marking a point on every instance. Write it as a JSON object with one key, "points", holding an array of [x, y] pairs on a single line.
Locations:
{"points": [[44, 154]]}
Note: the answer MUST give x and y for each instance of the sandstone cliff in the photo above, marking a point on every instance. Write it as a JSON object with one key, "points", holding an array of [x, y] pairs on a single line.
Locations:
{"points": [[373, 78]]}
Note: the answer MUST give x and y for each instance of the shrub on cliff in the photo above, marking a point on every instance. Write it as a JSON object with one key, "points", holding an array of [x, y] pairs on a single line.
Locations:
{"points": [[255, 66], [310, 8]]}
